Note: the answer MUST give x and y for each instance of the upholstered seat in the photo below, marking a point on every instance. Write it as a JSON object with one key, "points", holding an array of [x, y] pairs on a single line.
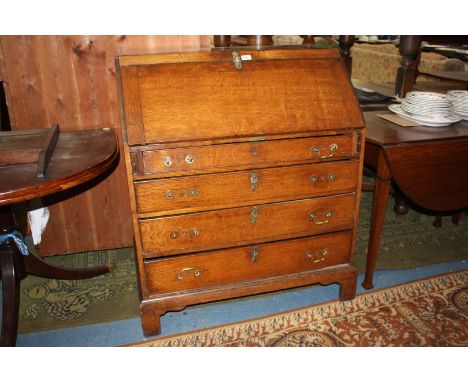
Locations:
{"points": [[379, 63]]}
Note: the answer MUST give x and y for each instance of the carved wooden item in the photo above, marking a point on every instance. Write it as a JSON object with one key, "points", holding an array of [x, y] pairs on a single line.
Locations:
{"points": [[243, 172]]}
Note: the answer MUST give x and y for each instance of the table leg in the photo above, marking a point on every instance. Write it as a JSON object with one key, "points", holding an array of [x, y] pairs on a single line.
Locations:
{"points": [[379, 206], [14, 267], [10, 290], [12, 272], [38, 267]]}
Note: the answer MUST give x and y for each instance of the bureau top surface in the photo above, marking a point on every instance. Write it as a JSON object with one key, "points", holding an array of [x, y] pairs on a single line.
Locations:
{"points": [[210, 95]]}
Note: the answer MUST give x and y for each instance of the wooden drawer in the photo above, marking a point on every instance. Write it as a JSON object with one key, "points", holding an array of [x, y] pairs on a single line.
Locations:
{"points": [[245, 225], [316, 149], [246, 263], [186, 194]]}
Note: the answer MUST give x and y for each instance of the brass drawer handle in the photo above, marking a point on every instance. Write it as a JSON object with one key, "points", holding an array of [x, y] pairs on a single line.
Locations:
{"points": [[254, 215], [194, 232], [167, 161], [317, 257], [315, 178], [191, 192], [254, 179], [333, 147], [313, 217], [185, 272], [254, 254], [189, 159]]}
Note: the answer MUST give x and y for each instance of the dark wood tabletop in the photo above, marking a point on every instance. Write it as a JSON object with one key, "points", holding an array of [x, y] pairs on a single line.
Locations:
{"points": [[427, 166], [76, 158], [382, 132], [455, 76]]}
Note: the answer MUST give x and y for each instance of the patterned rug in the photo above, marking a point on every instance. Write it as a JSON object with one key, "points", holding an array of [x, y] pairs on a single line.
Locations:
{"points": [[429, 312], [47, 304], [408, 241]]}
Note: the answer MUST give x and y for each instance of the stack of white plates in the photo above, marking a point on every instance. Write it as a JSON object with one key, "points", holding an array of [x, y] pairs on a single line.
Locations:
{"points": [[459, 101], [428, 109]]}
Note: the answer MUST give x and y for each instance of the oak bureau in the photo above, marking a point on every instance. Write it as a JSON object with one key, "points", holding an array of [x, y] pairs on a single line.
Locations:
{"points": [[244, 173]]}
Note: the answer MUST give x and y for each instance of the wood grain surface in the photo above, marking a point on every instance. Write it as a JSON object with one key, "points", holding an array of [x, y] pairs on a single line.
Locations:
{"points": [[251, 262], [233, 167], [217, 157], [213, 191], [216, 95], [237, 226], [70, 80]]}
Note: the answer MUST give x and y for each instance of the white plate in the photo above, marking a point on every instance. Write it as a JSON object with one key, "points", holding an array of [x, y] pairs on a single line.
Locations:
{"points": [[460, 97], [458, 105], [427, 112], [416, 95], [427, 105], [424, 121], [425, 109], [463, 115], [456, 93], [427, 100]]}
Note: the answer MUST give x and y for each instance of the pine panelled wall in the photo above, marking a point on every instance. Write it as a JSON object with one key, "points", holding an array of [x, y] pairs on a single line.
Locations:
{"points": [[70, 80]]}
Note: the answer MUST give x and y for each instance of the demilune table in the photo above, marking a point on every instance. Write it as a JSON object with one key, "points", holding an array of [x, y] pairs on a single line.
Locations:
{"points": [[429, 166], [78, 157]]}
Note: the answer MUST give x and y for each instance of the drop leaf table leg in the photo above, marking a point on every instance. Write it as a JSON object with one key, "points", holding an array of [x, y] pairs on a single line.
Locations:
{"points": [[14, 267], [38, 267], [379, 207]]}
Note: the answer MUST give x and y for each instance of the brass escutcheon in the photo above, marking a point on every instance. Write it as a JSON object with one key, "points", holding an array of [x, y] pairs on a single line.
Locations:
{"points": [[170, 194], [254, 215], [254, 254], [313, 179], [331, 177], [195, 232], [254, 179], [318, 257], [253, 150], [237, 60], [174, 235]]}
